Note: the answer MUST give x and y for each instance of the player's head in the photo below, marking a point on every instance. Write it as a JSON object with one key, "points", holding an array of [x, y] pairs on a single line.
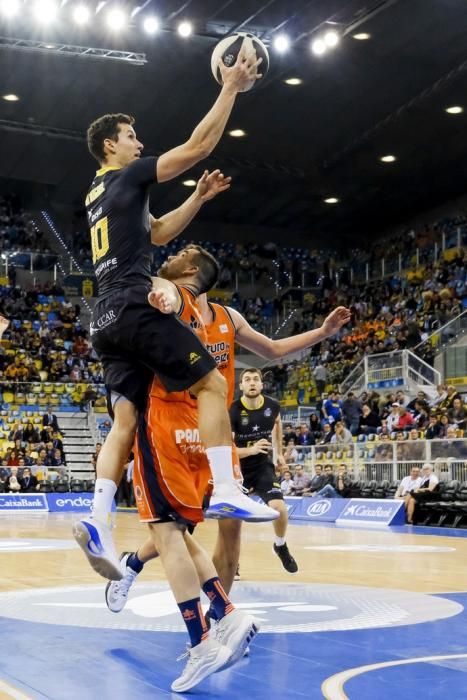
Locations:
{"points": [[251, 382], [192, 265], [113, 138]]}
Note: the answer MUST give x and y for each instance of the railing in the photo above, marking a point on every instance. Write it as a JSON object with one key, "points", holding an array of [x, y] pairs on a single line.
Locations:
{"points": [[388, 459], [445, 335]]}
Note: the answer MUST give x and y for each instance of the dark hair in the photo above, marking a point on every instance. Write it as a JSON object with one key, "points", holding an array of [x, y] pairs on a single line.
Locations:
{"points": [[208, 268], [251, 370], [106, 127]]}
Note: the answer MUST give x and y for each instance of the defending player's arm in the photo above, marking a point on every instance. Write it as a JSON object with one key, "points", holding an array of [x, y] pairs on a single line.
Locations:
{"points": [[277, 441], [207, 134], [170, 225], [258, 343]]}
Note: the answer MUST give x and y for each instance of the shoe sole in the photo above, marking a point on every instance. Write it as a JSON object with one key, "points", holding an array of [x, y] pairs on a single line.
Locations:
{"points": [[246, 517], [122, 556], [104, 567], [222, 661], [291, 573]]}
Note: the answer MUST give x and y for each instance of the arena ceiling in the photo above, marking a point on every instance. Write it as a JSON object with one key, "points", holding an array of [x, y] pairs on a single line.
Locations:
{"points": [[305, 143]]}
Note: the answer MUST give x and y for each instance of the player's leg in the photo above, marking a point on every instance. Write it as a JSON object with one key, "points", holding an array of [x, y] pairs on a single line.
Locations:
{"points": [[206, 656], [227, 551], [270, 491], [93, 533]]}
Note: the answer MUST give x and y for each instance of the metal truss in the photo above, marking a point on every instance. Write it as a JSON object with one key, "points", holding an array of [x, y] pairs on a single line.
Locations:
{"points": [[137, 59]]}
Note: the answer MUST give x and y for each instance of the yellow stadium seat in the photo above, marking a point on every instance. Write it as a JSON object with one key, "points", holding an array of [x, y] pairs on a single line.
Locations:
{"points": [[37, 388], [8, 397], [59, 388], [38, 364], [43, 375], [48, 387], [43, 399], [54, 399]]}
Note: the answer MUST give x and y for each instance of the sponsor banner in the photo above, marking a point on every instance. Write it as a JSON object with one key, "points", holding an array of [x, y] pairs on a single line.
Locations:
{"points": [[319, 509], [23, 502], [372, 512], [67, 502]]}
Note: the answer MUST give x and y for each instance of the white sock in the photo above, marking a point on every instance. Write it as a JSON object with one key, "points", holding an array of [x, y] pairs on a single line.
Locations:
{"points": [[104, 492], [279, 541], [220, 461]]}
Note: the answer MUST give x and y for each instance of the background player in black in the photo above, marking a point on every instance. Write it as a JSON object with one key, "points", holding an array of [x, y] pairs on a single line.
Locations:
{"points": [[257, 425], [133, 340]]}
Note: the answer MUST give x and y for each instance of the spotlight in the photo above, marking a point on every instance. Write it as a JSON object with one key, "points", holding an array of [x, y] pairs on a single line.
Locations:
{"points": [[293, 81], [10, 98], [455, 109], [185, 29], [9, 8], [81, 14], [362, 36], [388, 159], [237, 133], [151, 25], [318, 47], [45, 11], [189, 183], [331, 38], [332, 200], [281, 43], [116, 19]]}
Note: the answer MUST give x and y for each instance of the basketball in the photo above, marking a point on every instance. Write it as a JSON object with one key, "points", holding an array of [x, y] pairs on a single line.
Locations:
{"points": [[228, 49]]}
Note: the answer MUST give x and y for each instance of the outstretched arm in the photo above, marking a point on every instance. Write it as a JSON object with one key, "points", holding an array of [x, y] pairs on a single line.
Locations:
{"points": [[164, 296], [174, 222], [207, 134], [258, 343]]}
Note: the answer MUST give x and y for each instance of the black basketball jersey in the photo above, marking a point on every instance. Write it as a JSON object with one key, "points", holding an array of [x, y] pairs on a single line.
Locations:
{"points": [[117, 206], [251, 425]]}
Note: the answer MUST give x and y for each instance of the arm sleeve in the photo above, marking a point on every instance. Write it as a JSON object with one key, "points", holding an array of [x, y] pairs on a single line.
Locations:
{"points": [[141, 172]]}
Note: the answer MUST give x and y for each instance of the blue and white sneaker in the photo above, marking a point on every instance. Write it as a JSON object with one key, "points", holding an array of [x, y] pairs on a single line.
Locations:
{"points": [[229, 500], [95, 539], [116, 592]]}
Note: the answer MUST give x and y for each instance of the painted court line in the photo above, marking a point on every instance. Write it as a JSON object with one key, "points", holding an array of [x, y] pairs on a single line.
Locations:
{"points": [[333, 687]]}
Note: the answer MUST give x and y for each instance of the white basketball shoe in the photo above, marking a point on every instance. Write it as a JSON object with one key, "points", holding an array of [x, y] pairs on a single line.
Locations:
{"points": [[204, 659], [95, 539], [116, 592], [229, 500], [236, 630]]}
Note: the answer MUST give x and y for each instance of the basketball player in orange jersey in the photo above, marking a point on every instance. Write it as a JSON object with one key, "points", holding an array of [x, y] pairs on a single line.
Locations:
{"points": [[132, 340], [223, 327]]}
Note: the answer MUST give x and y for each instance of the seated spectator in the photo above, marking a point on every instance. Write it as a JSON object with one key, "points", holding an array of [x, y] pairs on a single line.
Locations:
{"points": [[13, 484], [31, 434], [405, 419], [342, 436], [441, 394], [458, 414], [451, 395], [338, 487], [301, 481], [28, 482], [421, 415], [327, 434], [393, 418], [289, 434], [96, 454], [427, 491], [421, 398], [57, 441], [434, 426], [409, 483], [315, 426], [50, 419], [317, 482], [55, 459], [291, 453], [369, 421], [287, 483], [305, 436]]}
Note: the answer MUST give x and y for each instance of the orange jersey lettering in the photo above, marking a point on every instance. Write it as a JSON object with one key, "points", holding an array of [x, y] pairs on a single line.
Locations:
{"points": [[220, 344]]}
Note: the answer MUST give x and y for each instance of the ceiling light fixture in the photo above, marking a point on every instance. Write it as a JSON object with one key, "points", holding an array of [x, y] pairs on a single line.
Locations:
{"points": [[362, 36], [455, 109], [332, 200], [388, 159], [10, 98], [331, 38], [81, 14], [318, 47], [45, 11], [151, 25], [116, 19], [9, 8], [185, 29], [281, 43], [293, 81], [237, 133], [189, 183]]}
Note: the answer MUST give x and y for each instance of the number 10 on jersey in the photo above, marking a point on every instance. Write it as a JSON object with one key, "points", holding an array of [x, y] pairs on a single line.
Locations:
{"points": [[100, 239]]}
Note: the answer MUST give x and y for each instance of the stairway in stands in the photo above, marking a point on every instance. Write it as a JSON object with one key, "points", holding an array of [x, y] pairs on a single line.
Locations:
{"points": [[78, 444]]}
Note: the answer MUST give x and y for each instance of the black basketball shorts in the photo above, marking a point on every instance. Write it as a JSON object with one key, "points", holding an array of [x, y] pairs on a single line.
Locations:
{"points": [[262, 480], [134, 342]]}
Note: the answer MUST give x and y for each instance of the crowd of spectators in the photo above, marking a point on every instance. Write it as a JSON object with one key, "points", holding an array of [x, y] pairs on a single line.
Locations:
{"points": [[31, 451]]}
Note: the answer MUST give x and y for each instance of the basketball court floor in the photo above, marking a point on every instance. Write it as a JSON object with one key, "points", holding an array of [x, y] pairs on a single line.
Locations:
{"points": [[371, 615]]}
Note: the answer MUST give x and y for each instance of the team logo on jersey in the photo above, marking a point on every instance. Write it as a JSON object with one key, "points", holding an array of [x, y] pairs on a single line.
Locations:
{"points": [[244, 420], [194, 323], [194, 358], [223, 328], [268, 412]]}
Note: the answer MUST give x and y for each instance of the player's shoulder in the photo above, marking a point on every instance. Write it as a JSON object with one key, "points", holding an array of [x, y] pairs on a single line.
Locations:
{"points": [[272, 403]]}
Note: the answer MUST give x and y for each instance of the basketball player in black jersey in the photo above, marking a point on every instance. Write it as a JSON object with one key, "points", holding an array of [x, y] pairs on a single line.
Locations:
{"points": [[133, 340], [256, 423]]}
